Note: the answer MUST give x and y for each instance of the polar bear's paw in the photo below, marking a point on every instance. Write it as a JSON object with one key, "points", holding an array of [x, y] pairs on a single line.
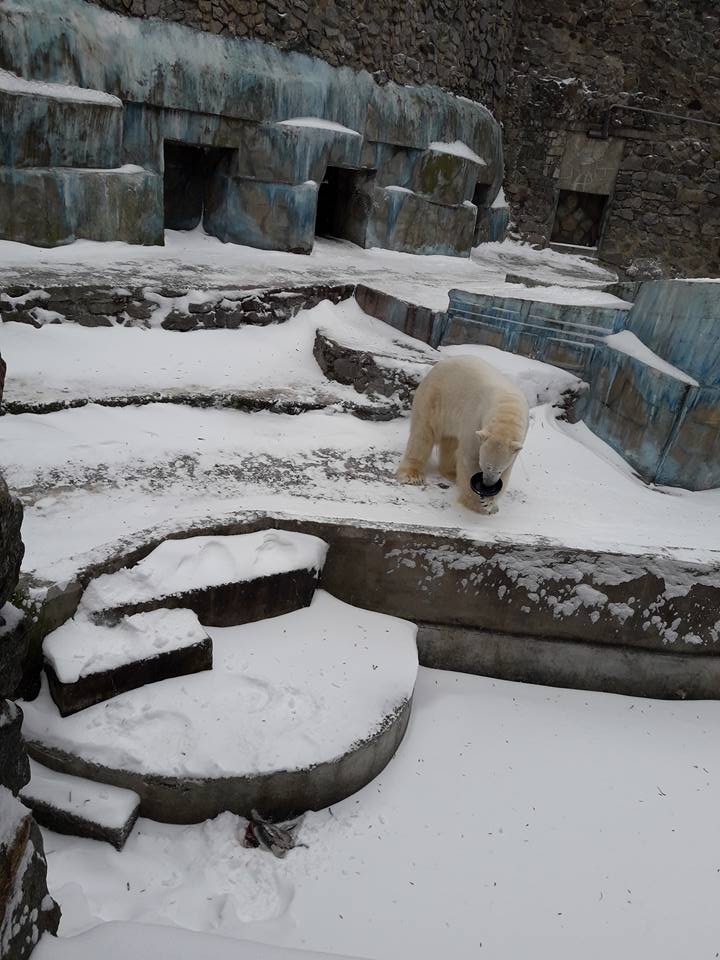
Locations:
{"points": [[486, 507], [408, 474]]}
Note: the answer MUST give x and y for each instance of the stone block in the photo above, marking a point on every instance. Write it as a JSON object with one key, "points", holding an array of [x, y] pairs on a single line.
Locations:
{"points": [[401, 220], [633, 407], [52, 206], [690, 458], [445, 177], [81, 808], [271, 216], [145, 649], [46, 131]]}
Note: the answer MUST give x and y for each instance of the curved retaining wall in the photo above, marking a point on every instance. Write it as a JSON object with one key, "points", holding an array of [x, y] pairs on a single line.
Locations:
{"points": [[632, 624], [277, 796]]}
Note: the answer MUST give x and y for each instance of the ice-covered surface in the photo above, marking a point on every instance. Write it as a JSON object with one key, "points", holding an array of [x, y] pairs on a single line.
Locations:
{"points": [[80, 647], [142, 941], [99, 803], [627, 342], [177, 566], [283, 694], [537, 822], [457, 148], [11, 83], [317, 123], [194, 259], [62, 362]]}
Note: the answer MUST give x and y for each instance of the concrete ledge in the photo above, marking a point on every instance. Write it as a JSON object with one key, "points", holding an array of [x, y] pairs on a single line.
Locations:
{"points": [[96, 687], [276, 796], [569, 663], [230, 604], [547, 594]]}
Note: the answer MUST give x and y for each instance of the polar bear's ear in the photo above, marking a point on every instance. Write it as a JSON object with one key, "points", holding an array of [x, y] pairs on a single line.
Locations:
{"points": [[482, 434]]}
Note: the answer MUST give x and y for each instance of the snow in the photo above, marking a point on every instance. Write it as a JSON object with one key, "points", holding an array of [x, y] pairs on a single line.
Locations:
{"points": [[540, 382], [628, 343], [98, 480], [10, 617], [12, 814], [11, 83], [499, 201], [61, 363], [80, 647], [97, 802], [178, 566], [556, 293], [284, 694], [317, 123], [194, 259], [534, 821], [457, 148], [141, 941]]}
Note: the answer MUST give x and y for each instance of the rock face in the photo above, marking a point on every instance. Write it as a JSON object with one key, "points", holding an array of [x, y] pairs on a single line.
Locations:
{"points": [[11, 545], [26, 908]]}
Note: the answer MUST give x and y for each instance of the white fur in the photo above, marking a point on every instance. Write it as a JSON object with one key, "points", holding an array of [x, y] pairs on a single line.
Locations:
{"points": [[478, 419]]}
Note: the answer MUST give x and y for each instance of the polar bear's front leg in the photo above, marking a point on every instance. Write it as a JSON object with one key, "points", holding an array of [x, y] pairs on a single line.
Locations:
{"points": [[418, 450]]}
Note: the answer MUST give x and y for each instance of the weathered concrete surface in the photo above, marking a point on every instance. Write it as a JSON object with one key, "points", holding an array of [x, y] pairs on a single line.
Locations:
{"points": [[277, 796], [417, 321], [26, 908], [569, 663], [555, 595], [96, 687]]}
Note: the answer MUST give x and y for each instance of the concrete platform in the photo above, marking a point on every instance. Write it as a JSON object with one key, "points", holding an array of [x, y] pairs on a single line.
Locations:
{"points": [[298, 712]]}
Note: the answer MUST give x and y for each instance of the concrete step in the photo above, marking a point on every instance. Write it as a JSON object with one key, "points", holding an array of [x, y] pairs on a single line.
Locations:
{"points": [[226, 580], [87, 663], [79, 807]]}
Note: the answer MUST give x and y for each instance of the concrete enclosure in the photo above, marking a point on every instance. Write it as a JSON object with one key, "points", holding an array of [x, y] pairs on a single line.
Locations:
{"points": [[120, 127]]}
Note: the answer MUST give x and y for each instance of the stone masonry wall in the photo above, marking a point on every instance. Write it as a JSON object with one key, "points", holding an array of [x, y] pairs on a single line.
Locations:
{"points": [[571, 62], [460, 45]]}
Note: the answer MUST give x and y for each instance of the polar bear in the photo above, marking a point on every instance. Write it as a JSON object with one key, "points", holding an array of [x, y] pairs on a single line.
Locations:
{"points": [[478, 418]]}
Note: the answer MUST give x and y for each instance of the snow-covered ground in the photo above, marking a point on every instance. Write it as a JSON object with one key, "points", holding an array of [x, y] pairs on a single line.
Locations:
{"points": [[514, 821], [192, 259]]}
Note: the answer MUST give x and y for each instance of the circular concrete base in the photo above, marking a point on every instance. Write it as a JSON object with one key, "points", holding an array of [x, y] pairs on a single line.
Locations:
{"points": [[298, 712]]}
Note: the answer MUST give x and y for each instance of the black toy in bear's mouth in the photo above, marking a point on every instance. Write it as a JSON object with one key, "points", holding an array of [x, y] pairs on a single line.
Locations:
{"points": [[482, 489]]}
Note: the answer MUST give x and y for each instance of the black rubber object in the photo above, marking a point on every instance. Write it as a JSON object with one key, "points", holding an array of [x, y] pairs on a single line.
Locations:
{"points": [[483, 490]]}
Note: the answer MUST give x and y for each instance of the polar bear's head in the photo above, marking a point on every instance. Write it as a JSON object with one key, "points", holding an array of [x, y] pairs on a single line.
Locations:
{"points": [[495, 455]]}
